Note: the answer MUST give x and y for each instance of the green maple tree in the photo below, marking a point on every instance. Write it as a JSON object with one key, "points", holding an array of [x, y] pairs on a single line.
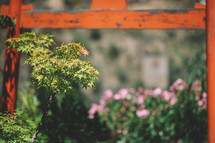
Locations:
{"points": [[57, 69]]}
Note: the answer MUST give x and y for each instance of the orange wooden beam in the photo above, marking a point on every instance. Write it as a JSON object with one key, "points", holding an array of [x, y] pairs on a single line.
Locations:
{"points": [[117, 19], [109, 4], [5, 9], [211, 69]]}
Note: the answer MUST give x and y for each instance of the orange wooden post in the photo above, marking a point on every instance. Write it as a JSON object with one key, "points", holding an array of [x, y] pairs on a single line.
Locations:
{"points": [[211, 69], [11, 68]]}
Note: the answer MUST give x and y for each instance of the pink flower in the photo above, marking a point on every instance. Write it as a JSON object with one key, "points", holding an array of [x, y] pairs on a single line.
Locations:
{"points": [[204, 95], [125, 132], [196, 86], [139, 100], [204, 98], [116, 97], [142, 113], [173, 100], [124, 94], [132, 90], [197, 97], [128, 96], [94, 108], [157, 92], [200, 103], [102, 102], [107, 94], [148, 92], [167, 95], [179, 84]]}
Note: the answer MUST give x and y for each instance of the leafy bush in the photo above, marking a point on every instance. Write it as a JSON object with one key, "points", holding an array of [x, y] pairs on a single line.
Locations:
{"points": [[20, 126], [14, 128], [149, 116]]}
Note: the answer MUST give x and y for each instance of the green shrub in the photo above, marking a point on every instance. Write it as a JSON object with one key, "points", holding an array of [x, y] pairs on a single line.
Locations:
{"points": [[14, 128]]}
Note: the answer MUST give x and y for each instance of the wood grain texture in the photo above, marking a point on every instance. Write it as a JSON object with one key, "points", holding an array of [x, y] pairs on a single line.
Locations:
{"points": [[116, 19]]}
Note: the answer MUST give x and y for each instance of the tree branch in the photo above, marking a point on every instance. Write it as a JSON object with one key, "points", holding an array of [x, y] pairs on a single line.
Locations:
{"points": [[45, 112]]}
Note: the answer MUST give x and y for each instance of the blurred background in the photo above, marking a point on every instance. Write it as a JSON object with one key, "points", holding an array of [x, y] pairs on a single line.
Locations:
{"points": [[126, 58]]}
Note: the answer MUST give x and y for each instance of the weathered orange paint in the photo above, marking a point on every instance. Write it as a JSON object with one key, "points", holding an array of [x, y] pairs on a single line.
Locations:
{"points": [[211, 69], [27, 7], [200, 6], [117, 19], [109, 4], [11, 68], [5, 9]]}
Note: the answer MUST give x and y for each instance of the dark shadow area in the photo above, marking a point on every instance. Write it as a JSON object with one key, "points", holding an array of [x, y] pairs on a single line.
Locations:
{"points": [[68, 122]]}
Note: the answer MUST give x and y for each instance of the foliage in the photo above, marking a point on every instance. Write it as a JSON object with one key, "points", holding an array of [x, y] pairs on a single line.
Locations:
{"points": [[174, 115], [56, 70], [28, 108], [28, 101], [14, 128], [20, 127], [193, 63], [6, 21]]}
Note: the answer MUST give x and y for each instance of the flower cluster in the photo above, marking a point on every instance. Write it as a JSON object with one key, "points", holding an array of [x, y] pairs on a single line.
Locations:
{"points": [[179, 85], [201, 98], [128, 105]]}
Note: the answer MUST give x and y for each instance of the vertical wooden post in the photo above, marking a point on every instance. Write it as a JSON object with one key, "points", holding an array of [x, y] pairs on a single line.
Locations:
{"points": [[211, 69], [11, 67]]}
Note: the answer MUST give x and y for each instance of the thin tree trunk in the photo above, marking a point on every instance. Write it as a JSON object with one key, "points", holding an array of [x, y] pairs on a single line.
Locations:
{"points": [[45, 112]]}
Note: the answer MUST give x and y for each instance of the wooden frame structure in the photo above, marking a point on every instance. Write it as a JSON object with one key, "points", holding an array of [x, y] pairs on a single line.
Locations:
{"points": [[109, 14]]}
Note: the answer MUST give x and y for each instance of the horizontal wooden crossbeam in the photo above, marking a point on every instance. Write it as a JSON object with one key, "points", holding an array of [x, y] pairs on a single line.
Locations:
{"points": [[116, 19]]}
